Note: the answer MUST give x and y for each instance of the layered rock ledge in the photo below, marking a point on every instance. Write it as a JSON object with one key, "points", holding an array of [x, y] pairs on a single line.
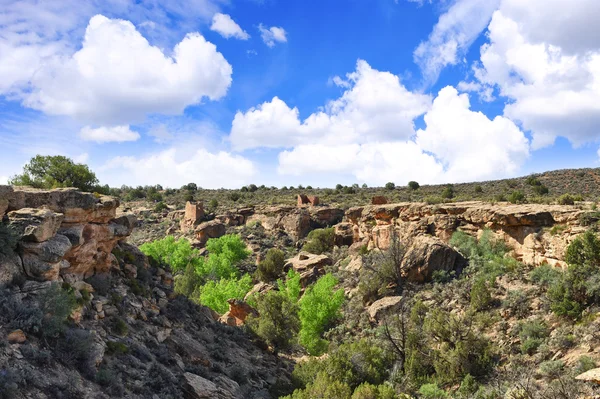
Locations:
{"points": [[61, 234]]}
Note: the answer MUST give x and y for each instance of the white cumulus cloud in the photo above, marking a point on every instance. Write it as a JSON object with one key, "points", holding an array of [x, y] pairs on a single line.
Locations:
{"points": [[369, 133], [227, 27], [117, 77], [272, 35], [108, 134], [374, 106], [175, 167], [551, 75]]}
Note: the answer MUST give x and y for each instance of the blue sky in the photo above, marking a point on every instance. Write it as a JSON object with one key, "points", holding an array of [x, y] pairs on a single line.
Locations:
{"points": [[227, 93]]}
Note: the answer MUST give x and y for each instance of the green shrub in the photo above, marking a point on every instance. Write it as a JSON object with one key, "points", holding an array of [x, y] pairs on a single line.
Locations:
{"points": [[323, 386], [224, 254], [291, 287], [516, 197], [448, 192], [319, 241], [432, 391], [187, 282], [119, 326], [161, 206], [215, 294], [75, 349], [580, 284], [352, 363], [478, 189], [566, 199], [584, 363], [552, 368], [517, 303], [545, 275], [481, 298], [116, 348], [272, 266], [369, 391], [278, 322], [390, 186], [319, 308], [532, 334]]}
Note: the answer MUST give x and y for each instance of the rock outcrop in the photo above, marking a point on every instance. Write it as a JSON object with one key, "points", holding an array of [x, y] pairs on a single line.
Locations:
{"points": [[296, 222], [238, 313], [310, 266], [62, 234], [525, 228], [208, 230]]}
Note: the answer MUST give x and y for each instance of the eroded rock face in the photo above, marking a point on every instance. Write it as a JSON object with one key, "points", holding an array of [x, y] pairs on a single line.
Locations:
{"points": [[427, 255], [61, 233], [193, 215], [208, 230], [525, 228], [200, 388], [238, 313]]}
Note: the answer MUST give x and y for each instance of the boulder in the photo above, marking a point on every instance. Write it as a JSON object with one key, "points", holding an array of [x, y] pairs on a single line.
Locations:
{"points": [[44, 261], [383, 306], [197, 387], [426, 255], [35, 225], [305, 261], [238, 312], [592, 375], [207, 230], [11, 267], [16, 337]]}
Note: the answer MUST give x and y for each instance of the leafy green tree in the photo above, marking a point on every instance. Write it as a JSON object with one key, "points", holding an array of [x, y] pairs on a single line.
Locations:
{"points": [[319, 308], [177, 254], [272, 266], [413, 185], [224, 254], [55, 171], [291, 287], [390, 186], [319, 241], [215, 294]]}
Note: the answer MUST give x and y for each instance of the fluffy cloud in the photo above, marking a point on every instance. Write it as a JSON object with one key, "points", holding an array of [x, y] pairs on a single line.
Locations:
{"points": [[375, 106], [369, 133], [552, 75], [272, 35], [3, 179], [226, 27], [117, 77], [468, 143], [105, 134], [452, 36], [175, 167]]}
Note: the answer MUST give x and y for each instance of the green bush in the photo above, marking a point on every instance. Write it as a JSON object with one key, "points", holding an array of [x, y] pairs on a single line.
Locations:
{"points": [[517, 303], [119, 326], [579, 286], [161, 206], [319, 308], [516, 197], [319, 241], [532, 334], [352, 363], [566, 199], [432, 391], [215, 294], [224, 254], [390, 186], [323, 386], [545, 275], [278, 322], [481, 298], [272, 266], [448, 192]]}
